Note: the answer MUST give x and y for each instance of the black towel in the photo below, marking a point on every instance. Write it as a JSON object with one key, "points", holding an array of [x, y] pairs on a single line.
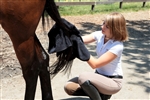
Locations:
{"points": [[59, 41], [67, 44]]}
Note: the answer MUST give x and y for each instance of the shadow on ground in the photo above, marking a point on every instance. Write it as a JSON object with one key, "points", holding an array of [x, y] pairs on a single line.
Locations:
{"points": [[137, 49]]}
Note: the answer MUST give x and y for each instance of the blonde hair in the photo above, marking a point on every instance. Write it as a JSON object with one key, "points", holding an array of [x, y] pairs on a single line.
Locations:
{"points": [[117, 25]]}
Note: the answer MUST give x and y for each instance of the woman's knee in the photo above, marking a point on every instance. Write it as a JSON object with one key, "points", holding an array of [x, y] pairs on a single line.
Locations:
{"points": [[71, 87], [67, 88]]}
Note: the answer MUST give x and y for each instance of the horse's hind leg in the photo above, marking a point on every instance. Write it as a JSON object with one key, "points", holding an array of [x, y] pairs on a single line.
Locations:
{"points": [[45, 84], [44, 73], [34, 61], [26, 54], [31, 81]]}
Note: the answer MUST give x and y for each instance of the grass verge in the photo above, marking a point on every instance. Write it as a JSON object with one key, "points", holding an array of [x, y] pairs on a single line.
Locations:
{"points": [[105, 8]]}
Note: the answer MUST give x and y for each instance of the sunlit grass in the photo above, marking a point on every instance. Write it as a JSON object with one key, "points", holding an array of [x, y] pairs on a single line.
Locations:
{"points": [[86, 9]]}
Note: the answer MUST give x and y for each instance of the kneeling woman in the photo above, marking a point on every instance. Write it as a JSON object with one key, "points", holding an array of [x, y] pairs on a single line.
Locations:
{"points": [[108, 75]]}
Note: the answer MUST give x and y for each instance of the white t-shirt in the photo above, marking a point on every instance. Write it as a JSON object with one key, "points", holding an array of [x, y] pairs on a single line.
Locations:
{"points": [[116, 47]]}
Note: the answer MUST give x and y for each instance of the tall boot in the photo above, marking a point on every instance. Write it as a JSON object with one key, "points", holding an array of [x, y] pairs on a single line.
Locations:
{"points": [[79, 92], [91, 91], [105, 96]]}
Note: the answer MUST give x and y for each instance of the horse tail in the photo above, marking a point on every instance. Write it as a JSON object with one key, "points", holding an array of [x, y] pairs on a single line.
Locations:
{"points": [[61, 64], [51, 9]]}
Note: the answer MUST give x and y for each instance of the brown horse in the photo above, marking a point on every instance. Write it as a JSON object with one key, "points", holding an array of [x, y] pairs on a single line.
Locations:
{"points": [[19, 18]]}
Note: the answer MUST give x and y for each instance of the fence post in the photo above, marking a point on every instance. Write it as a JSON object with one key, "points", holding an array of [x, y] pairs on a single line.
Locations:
{"points": [[120, 6], [143, 4], [92, 7]]}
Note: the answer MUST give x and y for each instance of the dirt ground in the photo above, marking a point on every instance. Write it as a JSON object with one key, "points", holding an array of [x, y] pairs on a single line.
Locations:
{"points": [[138, 24]]}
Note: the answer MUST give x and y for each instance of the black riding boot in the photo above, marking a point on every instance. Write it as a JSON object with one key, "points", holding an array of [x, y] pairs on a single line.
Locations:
{"points": [[91, 91], [79, 92], [105, 97]]}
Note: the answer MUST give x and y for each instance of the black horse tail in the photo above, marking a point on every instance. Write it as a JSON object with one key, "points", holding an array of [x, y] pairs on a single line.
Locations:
{"points": [[52, 11], [61, 64]]}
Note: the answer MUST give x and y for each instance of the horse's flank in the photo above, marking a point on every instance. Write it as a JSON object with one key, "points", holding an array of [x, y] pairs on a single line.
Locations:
{"points": [[16, 16]]}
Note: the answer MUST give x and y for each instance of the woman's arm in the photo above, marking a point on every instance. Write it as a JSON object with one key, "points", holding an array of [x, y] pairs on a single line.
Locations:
{"points": [[102, 60], [88, 39]]}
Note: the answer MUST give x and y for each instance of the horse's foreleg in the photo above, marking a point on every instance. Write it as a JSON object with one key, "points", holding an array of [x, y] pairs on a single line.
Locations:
{"points": [[44, 73]]}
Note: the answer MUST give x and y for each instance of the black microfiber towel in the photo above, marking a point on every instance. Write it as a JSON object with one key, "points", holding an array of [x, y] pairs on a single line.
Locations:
{"points": [[79, 49], [58, 41], [61, 41], [68, 45]]}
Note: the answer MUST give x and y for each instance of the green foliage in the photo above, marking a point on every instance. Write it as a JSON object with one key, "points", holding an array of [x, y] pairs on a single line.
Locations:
{"points": [[103, 8]]}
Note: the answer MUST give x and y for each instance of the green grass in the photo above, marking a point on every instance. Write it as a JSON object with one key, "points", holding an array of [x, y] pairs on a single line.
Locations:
{"points": [[86, 9]]}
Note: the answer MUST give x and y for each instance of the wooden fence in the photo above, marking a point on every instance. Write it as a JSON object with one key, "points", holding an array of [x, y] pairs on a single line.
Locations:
{"points": [[93, 2], [144, 2]]}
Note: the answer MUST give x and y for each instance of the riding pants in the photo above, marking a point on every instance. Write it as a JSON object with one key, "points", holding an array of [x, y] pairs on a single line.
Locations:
{"points": [[104, 84]]}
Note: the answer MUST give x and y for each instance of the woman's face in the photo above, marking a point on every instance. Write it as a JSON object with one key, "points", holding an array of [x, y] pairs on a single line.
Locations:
{"points": [[106, 30]]}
